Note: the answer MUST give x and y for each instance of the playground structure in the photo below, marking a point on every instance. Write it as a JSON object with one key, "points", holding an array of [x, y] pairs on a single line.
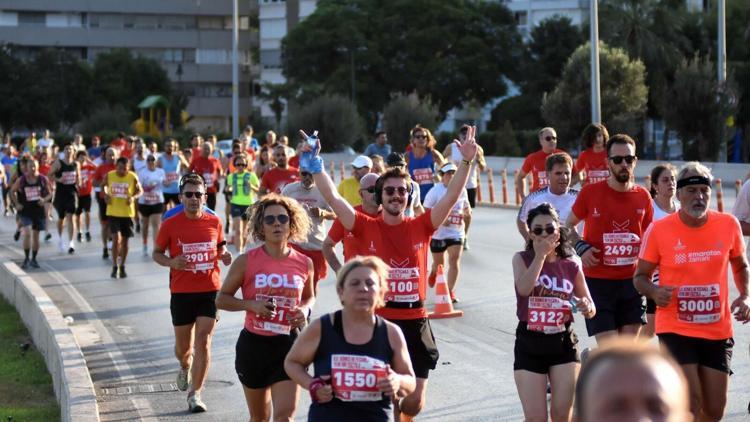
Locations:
{"points": [[158, 123]]}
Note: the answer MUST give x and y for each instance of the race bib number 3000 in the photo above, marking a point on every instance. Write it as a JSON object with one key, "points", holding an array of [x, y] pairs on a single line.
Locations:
{"points": [[699, 304], [621, 248], [355, 377], [200, 256]]}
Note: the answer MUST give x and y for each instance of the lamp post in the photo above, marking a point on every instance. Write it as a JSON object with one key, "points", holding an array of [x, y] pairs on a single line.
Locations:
{"points": [[235, 71], [596, 111]]}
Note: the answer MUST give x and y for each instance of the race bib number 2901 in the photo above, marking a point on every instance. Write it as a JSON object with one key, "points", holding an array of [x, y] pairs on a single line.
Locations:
{"points": [[201, 256]]}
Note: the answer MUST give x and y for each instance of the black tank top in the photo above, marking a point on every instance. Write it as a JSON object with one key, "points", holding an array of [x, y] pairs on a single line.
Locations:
{"points": [[353, 369], [66, 172], [30, 195]]}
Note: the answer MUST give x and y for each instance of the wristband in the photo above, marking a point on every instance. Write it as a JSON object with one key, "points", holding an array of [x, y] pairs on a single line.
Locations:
{"points": [[582, 247], [315, 385], [220, 244]]}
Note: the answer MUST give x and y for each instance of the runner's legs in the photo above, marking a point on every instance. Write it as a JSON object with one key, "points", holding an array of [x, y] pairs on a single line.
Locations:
{"points": [[532, 390], [204, 327]]}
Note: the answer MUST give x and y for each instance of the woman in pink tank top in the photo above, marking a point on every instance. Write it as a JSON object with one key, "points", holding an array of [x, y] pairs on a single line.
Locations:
{"points": [[277, 297]]}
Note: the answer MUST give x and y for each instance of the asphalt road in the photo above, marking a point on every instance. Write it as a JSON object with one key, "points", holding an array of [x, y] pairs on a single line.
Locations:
{"points": [[125, 331]]}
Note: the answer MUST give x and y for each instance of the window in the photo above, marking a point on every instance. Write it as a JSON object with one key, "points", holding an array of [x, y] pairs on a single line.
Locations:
{"points": [[210, 22], [521, 18], [32, 18]]}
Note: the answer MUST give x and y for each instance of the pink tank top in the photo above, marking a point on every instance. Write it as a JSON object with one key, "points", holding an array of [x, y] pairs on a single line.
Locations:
{"points": [[281, 280]]}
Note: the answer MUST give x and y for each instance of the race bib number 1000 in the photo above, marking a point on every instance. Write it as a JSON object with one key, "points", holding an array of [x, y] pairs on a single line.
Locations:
{"points": [[699, 304], [355, 377]]}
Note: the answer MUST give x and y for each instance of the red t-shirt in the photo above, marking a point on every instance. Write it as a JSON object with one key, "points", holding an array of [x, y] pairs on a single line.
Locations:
{"points": [[197, 240], [695, 260], [594, 164], [276, 178], [119, 144], [294, 161], [209, 168], [87, 177], [44, 168], [535, 164], [101, 173], [352, 245], [404, 248], [615, 222]]}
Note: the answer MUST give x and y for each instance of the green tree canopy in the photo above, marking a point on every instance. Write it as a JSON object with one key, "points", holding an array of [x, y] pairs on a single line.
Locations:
{"points": [[402, 113], [333, 116]]}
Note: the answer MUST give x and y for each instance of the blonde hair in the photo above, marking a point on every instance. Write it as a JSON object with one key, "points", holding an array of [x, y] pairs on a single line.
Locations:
{"points": [[374, 263], [299, 222]]}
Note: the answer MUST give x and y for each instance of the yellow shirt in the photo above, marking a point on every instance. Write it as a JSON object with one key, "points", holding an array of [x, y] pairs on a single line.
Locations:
{"points": [[119, 189], [349, 190]]}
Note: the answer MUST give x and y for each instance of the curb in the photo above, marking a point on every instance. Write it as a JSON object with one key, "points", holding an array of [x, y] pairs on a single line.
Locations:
{"points": [[55, 341]]}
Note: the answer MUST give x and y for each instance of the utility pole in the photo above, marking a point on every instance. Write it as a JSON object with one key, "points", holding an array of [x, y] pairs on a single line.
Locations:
{"points": [[235, 71], [722, 70], [596, 108]]}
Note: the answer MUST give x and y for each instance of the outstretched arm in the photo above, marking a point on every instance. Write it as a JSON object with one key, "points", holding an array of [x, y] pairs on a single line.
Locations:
{"points": [[457, 184]]}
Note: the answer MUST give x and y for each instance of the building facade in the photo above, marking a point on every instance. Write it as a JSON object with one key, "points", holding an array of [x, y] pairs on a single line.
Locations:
{"points": [[191, 39]]}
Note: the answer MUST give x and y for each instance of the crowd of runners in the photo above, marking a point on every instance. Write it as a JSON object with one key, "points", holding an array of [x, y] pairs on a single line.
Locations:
{"points": [[635, 263]]}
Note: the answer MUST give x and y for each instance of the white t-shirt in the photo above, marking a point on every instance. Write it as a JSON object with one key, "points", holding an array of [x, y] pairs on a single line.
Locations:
{"points": [[138, 164], [456, 158], [453, 226], [152, 183], [309, 199], [45, 142], [561, 203], [660, 213]]}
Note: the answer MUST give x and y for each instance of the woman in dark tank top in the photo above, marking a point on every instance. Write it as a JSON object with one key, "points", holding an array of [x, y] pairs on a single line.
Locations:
{"points": [[360, 360]]}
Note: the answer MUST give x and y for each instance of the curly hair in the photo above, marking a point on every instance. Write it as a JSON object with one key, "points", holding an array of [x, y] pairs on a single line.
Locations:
{"points": [[588, 137], [372, 262], [299, 222], [431, 142], [564, 249]]}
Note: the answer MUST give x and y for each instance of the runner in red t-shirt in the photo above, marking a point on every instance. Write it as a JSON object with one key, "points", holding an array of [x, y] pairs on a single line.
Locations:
{"points": [[593, 160], [209, 167], [120, 144], [110, 156], [401, 242], [88, 169], [276, 178], [195, 242], [536, 161], [616, 213], [352, 246]]}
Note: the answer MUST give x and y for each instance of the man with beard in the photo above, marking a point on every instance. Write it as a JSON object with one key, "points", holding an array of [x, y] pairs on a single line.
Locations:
{"points": [[276, 178], [616, 213], [402, 242], [693, 249]]}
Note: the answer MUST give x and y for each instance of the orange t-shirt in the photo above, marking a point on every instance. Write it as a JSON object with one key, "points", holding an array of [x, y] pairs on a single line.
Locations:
{"points": [[352, 246], [403, 247], [696, 261], [615, 222], [594, 164], [197, 240], [276, 178], [535, 163]]}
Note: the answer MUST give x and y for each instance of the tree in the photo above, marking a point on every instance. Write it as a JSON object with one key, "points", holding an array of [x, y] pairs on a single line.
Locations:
{"points": [[333, 116], [404, 112], [453, 51], [275, 94], [623, 94], [11, 77]]}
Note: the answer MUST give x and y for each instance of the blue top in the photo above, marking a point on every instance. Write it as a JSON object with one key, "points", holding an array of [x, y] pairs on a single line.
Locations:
{"points": [[8, 162], [171, 167], [95, 152], [178, 208], [374, 148], [421, 171]]}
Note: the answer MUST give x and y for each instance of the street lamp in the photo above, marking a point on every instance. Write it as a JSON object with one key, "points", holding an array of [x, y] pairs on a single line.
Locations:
{"points": [[352, 68]]}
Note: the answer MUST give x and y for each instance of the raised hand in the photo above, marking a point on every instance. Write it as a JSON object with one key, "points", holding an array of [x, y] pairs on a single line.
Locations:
{"points": [[469, 146]]}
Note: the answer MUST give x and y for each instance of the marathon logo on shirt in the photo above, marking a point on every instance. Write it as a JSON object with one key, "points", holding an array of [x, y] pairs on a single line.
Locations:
{"points": [[277, 281], [694, 257]]}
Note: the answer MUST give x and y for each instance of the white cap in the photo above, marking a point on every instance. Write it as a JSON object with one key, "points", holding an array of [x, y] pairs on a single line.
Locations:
{"points": [[449, 166], [362, 161]]}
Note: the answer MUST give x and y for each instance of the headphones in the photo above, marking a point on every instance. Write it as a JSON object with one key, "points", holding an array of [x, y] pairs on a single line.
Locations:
{"points": [[379, 190]]}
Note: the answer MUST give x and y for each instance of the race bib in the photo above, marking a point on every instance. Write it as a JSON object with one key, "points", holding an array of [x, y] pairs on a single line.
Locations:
{"points": [[209, 178], [699, 304], [423, 176], [68, 178], [151, 197], [355, 377], [200, 256], [455, 219], [32, 193], [542, 176], [621, 248], [594, 176], [280, 323], [171, 177], [403, 285], [547, 314], [120, 190]]}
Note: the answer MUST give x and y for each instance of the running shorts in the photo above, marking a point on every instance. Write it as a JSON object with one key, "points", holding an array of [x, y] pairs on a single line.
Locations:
{"points": [[617, 304], [421, 345], [186, 307], [259, 360], [122, 225], [441, 245], [239, 211], [714, 354], [66, 205], [84, 204], [471, 193], [102, 208], [538, 352], [38, 222], [211, 201], [174, 198], [148, 210]]}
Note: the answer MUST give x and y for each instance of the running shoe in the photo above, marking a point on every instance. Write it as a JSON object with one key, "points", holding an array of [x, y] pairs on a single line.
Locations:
{"points": [[466, 244], [122, 272], [183, 379], [48, 237], [17, 235], [114, 272], [88, 237], [453, 298], [105, 253], [61, 246], [195, 404], [71, 250], [138, 228], [145, 250], [33, 263], [80, 237], [431, 279], [25, 264]]}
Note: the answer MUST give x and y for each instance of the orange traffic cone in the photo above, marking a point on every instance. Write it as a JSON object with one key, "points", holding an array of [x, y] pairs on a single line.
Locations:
{"points": [[443, 302]]}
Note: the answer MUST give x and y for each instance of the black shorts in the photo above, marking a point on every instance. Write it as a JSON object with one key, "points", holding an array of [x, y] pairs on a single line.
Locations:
{"points": [[102, 208], [441, 245], [84, 204], [471, 193], [147, 210], [650, 306], [714, 354], [65, 205], [259, 360], [123, 225], [239, 211], [618, 304], [186, 307], [174, 198], [211, 201], [37, 222], [538, 352], [421, 345]]}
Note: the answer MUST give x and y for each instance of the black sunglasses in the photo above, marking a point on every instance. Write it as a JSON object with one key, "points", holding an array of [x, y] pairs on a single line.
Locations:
{"points": [[240, 165], [550, 138], [539, 230], [617, 159], [390, 190], [420, 137], [371, 189], [197, 195], [271, 219]]}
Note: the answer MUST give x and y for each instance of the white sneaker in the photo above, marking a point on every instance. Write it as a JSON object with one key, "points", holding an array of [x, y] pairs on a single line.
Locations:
{"points": [[145, 250], [195, 404], [61, 246], [183, 379]]}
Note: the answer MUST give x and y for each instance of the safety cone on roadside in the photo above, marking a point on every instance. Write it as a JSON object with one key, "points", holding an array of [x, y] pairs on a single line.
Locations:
{"points": [[443, 302]]}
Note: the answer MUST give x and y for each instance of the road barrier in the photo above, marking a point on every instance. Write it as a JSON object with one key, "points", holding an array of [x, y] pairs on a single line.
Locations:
{"points": [[491, 185], [719, 196], [504, 176]]}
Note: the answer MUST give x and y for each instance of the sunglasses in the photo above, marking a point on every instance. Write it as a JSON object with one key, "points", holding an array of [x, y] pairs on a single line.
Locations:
{"points": [[539, 230], [189, 195], [371, 189], [550, 138], [390, 190], [241, 165], [617, 159], [420, 137], [271, 219]]}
